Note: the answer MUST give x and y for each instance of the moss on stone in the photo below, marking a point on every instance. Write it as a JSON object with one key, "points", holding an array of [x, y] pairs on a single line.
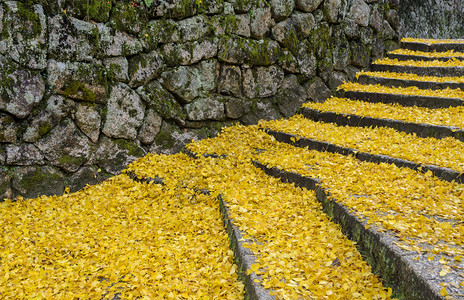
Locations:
{"points": [[133, 149], [31, 26], [44, 128], [125, 16], [71, 160], [78, 88]]}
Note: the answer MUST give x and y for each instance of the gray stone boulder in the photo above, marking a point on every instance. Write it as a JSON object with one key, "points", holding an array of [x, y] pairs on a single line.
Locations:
{"points": [[376, 20], [172, 139], [281, 9], [235, 108], [316, 90], [290, 96], [79, 81], [5, 189], [306, 60], [230, 80], [360, 54], [307, 5], [206, 108], [113, 155], [128, 18], [96, 10], [23, 155], [34, 181], [360, 12], [118, 68], [24, 36], [72, 39], [176, 9], [193, 29], [161, 101], [288, 62], [150, 127], [125, 112], [144, 68], [188, 82], [66, 147], [8, 129], [159, 31], [341, 49], [189, 53], [86, 175], [331, 10], [261, 22], [262, 109], [241, 6], [57, 108], [284, 32], [260, 82], [88, 119], [303, 24], [236, 50], [118, 43], [335, 79], [22, 89]]}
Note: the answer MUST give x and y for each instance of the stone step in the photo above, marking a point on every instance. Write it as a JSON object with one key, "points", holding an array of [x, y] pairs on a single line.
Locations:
{"points": [[405, 100], [439, 47], [420, 129], [396, 82], [411, 278], [404, 57], [422, 71], [446, 174]]}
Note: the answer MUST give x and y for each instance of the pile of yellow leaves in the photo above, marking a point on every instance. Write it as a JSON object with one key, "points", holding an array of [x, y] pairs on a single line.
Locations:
{"points": [[420, 63], [412, 90], [436, 54], [447, 152], [413, 77], [120, 237], [452, 116], [433, 41]]}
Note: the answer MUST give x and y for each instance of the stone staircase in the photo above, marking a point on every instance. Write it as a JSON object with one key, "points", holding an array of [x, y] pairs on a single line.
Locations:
{"points": [[314, 205]]}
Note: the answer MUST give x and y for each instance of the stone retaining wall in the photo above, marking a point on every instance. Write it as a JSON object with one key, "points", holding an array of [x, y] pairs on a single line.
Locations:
{"points": [[432, 18], [86, 90]]}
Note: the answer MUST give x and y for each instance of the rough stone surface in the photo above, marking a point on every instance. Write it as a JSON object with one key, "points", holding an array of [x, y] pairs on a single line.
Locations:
{"points": [[281, 8], [255, 52], [205, 108], [150, 127], [144, 68], [118, 68], [230, 80], [86, 175], [331, 10], [261, 21], [113, 155], [118, 43], [303, 23], [125, 113], [66, 147], [263, 109], [360, 12], [336, 79], [307, 5], [171, 139], [194, 28], [359, 55], [189, 53], [317, 91], [23, 155], [57, 108], [306, 60], [8, 129], [161, 101], [290, 96], [34, 181], [188, 82], [236, 108], [288, 62], [261, 81], [5, 188], [88, 120]]}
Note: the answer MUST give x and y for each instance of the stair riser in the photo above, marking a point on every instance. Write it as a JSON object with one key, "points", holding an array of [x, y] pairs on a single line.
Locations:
{"points": [[404, 57], [434, 47], [393, 82], [421, 71]]}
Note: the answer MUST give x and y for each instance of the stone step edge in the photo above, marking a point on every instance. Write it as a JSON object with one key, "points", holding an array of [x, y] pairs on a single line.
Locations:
{"points": [[405, 100], [445, 174], [243, 257], [382, 255], [420, 129], [397, 82], [439, 47], [422, 71], [421, 57]]}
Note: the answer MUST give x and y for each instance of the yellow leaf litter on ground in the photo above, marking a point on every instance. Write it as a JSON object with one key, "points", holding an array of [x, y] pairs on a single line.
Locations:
{"points": [[420, 63], [412, 90], [433, 41], [452, 116], [436, 54], [119, 237], [409, 76], [300, 252], [406, 202], [447, 152]]}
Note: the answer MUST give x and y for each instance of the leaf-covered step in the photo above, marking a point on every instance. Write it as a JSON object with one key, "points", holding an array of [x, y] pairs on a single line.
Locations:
{"points": [[421, 68], [415, 212], [405, 54], [424, 122], [406, 80], [432, 44], [406, 96], [442, 173], [446, 152]]}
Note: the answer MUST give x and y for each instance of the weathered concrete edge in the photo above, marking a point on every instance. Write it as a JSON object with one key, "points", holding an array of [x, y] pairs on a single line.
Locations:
{"points": [[439, 172], [405, 100], [420, 129], [422, 71], [396, 82], [417, 46], [387, 260], [133, 176], [421, 57], [243, 256]]}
